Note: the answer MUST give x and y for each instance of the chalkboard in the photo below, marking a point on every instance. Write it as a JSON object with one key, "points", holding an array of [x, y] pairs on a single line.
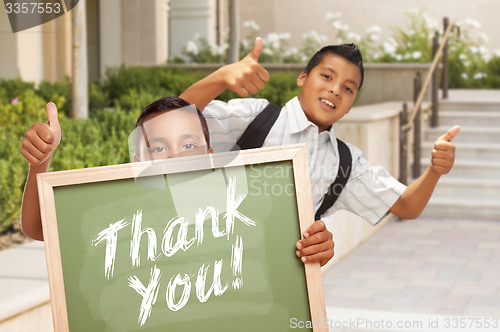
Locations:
{"points": [[203, 243]]}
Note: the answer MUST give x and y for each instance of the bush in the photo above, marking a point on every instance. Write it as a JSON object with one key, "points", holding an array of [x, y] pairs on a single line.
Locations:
{"points": [[12, 165], [12, 178], [11, 89], [156, 81], [62, 89], [100, 140], [493, 70]]}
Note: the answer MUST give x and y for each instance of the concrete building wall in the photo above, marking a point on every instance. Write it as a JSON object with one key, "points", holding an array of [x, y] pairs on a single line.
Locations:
{"points": [[9, 67], [110, 34], [30, 42], [130, 32], [298, 16], [147, 32], [191, 18], [36, 54]]}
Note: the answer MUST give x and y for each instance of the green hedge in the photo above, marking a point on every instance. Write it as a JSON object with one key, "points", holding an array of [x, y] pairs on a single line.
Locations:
{"points": [[99, 140], [102, 139]]}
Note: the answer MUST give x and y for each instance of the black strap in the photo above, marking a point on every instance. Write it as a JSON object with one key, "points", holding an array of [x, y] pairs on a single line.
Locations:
{"points": [[257, 131], [345, 166]]}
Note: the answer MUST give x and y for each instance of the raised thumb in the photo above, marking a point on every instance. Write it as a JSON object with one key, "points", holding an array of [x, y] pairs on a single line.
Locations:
{"points": [[52, 115], [257, 49], [451, 134]]}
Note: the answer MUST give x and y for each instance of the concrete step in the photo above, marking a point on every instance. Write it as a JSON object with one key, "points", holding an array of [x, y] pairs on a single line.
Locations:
{"points": [[471, 169], [470, 105], [462, 208], [469, 119], [467, 134], [469, 151], [488, 189]]}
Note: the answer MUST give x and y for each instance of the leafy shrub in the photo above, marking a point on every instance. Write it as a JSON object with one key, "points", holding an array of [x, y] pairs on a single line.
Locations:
{"points": [[12, 173], [12, 165], [158, 81], [61, 89], [99, 140], [10, 89], [493, 70]]}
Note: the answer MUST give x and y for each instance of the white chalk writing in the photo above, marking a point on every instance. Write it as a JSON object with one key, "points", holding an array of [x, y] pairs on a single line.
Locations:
{"points": [[170, 245]]}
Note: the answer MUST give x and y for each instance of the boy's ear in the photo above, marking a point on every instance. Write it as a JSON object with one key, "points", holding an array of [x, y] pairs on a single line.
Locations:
{"points": [[301, 79], [210, 150]]}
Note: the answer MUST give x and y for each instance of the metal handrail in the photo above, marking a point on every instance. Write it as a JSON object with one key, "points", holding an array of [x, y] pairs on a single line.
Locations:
{"points": [[412, 120], [413, 113]]}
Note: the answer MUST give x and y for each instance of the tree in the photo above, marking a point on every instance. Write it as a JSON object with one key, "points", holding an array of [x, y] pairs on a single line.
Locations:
{"points": [[80, 107], [233, 34]]}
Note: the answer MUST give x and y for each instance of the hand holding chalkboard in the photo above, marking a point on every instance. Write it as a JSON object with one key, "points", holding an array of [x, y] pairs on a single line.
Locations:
{"points": [[317, 244]]}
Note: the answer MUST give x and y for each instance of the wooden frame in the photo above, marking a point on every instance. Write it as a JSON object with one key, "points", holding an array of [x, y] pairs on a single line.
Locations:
{"points": [[48, 181]]}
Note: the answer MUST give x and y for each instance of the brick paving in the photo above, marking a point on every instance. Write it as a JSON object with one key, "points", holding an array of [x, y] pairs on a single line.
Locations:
{"points": [[427, 266]]}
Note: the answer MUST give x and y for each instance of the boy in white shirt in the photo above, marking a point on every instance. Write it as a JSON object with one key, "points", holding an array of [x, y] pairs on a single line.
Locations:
{"points": [[329, 85]]}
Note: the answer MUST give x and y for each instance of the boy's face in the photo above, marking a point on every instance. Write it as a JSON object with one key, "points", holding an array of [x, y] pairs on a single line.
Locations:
{"points": [[172, 134], [329, 90]]}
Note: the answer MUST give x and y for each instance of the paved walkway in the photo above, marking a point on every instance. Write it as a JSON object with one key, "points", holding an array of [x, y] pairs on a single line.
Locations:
{"points": [[24, 286], [420, 273]]}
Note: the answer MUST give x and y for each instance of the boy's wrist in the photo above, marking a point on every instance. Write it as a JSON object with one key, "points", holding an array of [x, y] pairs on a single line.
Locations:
{"points": [[42, 167], [433, 173], [220, 79]]}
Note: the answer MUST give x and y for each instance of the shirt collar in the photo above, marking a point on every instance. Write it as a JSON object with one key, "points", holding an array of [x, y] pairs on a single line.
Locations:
{"points": [[298, 122], [333, 136]]}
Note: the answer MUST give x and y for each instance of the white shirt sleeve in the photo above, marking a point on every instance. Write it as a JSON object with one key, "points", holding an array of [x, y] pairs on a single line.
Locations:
{"points": [[228, 121], [371, 190]]}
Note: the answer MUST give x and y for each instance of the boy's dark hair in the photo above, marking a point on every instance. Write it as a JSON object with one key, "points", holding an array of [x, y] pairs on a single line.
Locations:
{"points": [[350, 52], [167, 104]]}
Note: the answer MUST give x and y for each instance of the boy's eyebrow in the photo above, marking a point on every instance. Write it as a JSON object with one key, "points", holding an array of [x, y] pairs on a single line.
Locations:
{"points": [[186, 136], [156, 140], [163, 140], [333, 71]]}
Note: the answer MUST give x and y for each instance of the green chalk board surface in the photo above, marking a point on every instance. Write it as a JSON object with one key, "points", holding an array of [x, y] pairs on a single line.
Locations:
{"points": [[199, 250]]}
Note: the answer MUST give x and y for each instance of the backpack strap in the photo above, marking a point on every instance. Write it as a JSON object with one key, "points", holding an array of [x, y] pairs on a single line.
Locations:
{"points": [[345, 166], [257, 131]]}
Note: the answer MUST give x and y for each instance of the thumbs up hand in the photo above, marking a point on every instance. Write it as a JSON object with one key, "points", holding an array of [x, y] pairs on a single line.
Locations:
{"points": [[246, 76], [42, 138], [443, 152]]}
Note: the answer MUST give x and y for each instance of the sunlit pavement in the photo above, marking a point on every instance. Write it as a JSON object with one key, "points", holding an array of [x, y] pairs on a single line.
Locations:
{"points": [[425, 275]]}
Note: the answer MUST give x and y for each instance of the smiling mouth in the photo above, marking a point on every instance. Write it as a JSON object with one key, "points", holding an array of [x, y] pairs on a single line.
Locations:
{"points": [[327, 102]]}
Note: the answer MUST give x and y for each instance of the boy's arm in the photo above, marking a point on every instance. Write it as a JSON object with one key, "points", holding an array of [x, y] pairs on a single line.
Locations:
{"points": [[244, 77], [37, 146], [414, 199]]}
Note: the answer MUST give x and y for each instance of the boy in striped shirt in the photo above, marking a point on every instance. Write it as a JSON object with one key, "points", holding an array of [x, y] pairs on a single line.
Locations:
{"points": [[329, 85]]}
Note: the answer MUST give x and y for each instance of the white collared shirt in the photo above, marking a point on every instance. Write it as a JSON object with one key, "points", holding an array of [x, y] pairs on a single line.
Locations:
{"points": [[370, 191]]}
